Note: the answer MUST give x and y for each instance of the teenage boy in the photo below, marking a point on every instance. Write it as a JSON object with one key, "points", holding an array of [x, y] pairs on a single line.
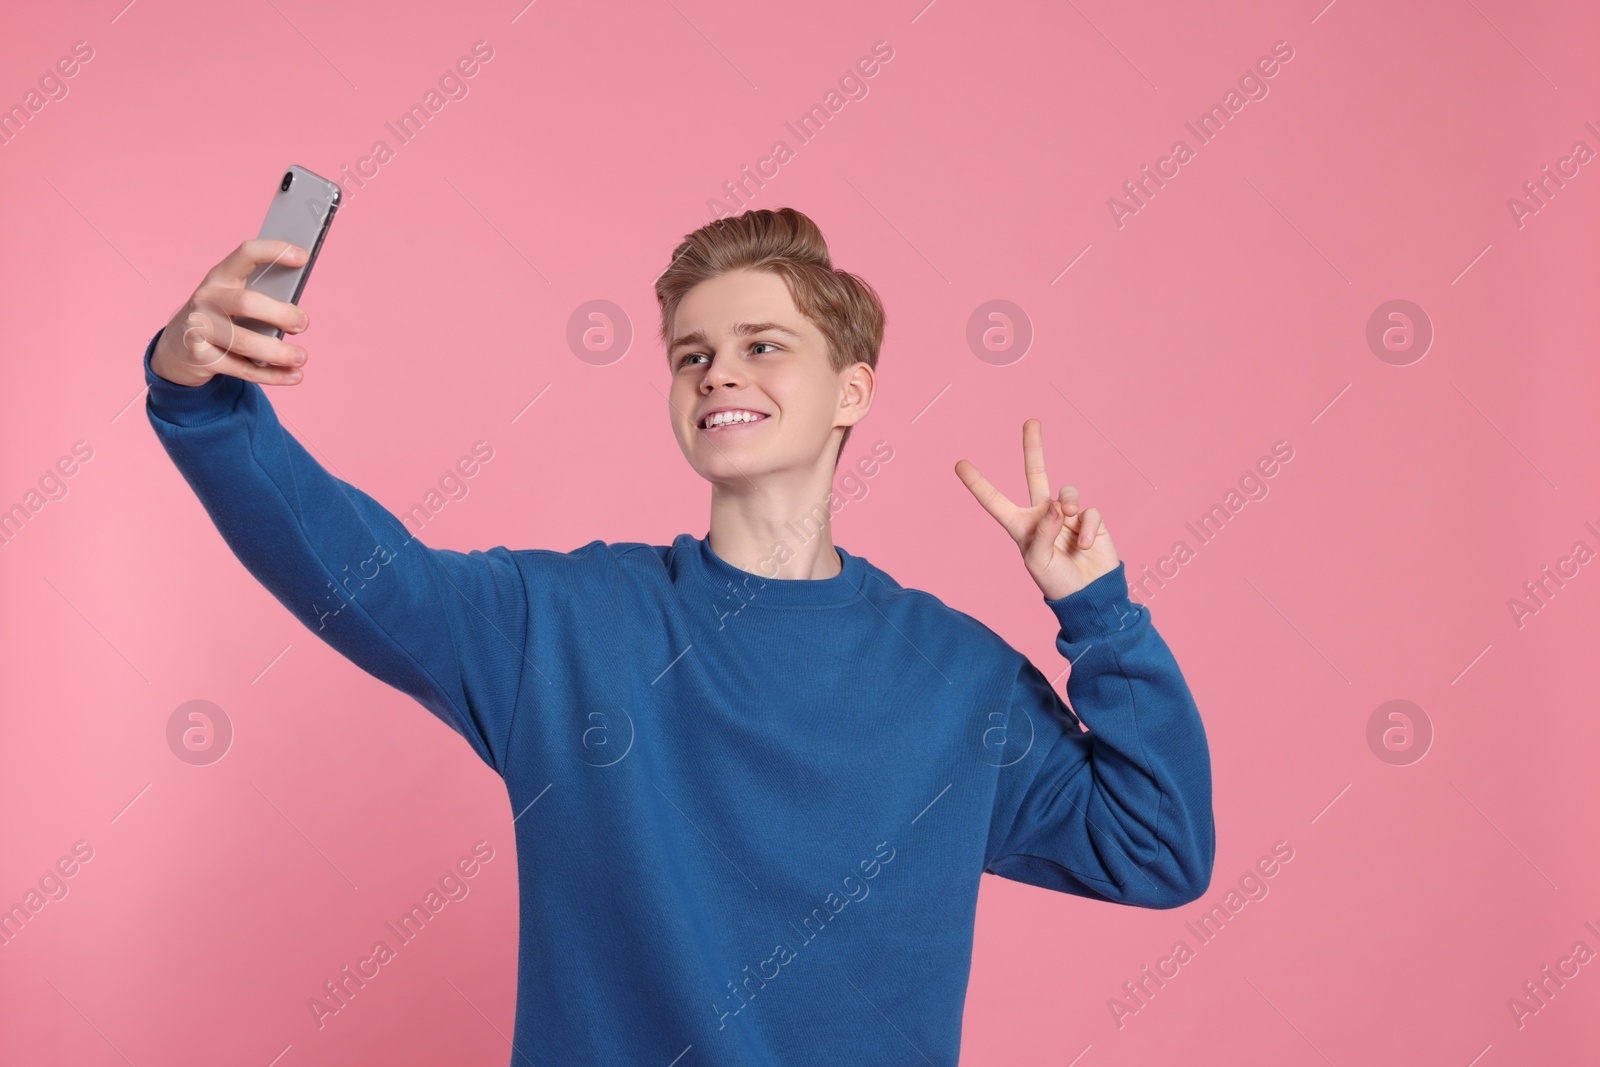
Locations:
{"points": [[757, 780]]}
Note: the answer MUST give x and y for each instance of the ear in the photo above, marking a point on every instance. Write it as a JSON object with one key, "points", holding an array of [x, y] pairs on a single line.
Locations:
{"points": [[857, 384]]}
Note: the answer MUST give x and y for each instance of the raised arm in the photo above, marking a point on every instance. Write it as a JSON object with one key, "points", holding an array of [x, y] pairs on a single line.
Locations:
{"points": [[447, 628], [1122, 813]]}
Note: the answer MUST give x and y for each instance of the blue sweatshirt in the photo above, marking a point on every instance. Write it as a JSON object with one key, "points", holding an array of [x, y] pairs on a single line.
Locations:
{"points": [[750, 814]]}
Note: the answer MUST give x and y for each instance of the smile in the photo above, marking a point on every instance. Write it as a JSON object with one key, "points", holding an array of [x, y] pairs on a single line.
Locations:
{"points": [[723, 421]]}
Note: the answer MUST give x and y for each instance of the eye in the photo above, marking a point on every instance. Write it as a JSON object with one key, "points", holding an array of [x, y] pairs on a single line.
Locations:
{"points": [[683, 361]]}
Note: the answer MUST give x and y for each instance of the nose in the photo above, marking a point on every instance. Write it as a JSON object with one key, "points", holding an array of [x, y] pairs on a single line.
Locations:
{"points": [[724, 370]]}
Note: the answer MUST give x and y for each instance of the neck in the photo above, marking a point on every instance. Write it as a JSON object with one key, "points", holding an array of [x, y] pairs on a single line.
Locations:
{"points": [[775, 530]]}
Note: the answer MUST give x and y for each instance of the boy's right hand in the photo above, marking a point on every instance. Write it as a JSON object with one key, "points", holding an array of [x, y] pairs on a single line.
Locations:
{"points": [[202, 341]]}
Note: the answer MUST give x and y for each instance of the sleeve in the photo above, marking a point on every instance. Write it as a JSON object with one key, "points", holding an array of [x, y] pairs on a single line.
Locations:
{"points": [[448, 628], [1121, 813]]}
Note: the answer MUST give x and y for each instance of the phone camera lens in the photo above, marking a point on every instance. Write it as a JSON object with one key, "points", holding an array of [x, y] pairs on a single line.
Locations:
{"points": [[288, 177]]}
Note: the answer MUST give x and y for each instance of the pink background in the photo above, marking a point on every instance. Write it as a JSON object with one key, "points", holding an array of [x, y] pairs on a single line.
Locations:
{"points": [[1228, 314]]}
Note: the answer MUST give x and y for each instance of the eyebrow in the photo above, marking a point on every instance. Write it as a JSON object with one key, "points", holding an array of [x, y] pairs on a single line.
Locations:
{"points": [[740, 329]]}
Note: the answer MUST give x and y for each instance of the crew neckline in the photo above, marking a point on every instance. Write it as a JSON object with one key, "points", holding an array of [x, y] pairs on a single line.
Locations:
{"points": [[756, 590]]}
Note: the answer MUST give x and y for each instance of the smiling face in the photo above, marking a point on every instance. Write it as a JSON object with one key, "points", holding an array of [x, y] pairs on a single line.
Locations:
{"points": [[740, 344]]}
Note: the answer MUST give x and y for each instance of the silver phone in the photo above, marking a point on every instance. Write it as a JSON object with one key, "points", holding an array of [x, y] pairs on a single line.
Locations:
{"points": [[301, 211]]}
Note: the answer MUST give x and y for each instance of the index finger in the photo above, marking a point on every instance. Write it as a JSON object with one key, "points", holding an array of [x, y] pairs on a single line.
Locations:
{"points": [[993, 500], [256, 254]]}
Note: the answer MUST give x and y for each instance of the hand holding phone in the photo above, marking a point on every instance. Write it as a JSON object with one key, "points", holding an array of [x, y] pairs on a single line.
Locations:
{"points": [[235, 320], [203, 338]]}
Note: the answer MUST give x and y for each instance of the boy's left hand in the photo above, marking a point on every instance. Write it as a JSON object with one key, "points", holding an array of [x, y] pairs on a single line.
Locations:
{"points": [[1064, 547]]}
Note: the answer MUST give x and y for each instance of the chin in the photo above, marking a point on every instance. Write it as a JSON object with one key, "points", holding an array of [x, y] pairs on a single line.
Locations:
{"points": [[737, 471]]}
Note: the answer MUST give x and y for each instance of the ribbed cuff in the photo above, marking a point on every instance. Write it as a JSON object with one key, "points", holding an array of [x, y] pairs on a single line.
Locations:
{"points": [[1102, 606], [189, 405]]}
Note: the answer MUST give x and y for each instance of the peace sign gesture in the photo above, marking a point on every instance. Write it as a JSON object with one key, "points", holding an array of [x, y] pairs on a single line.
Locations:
{"points": [[1062, 549]]}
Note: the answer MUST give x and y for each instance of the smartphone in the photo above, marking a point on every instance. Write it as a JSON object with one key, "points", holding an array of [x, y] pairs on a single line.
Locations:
{"points": [[301, 211]]}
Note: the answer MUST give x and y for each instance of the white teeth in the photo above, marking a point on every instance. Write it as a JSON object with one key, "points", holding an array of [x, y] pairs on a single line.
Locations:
{"points": [[722, 418]]}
